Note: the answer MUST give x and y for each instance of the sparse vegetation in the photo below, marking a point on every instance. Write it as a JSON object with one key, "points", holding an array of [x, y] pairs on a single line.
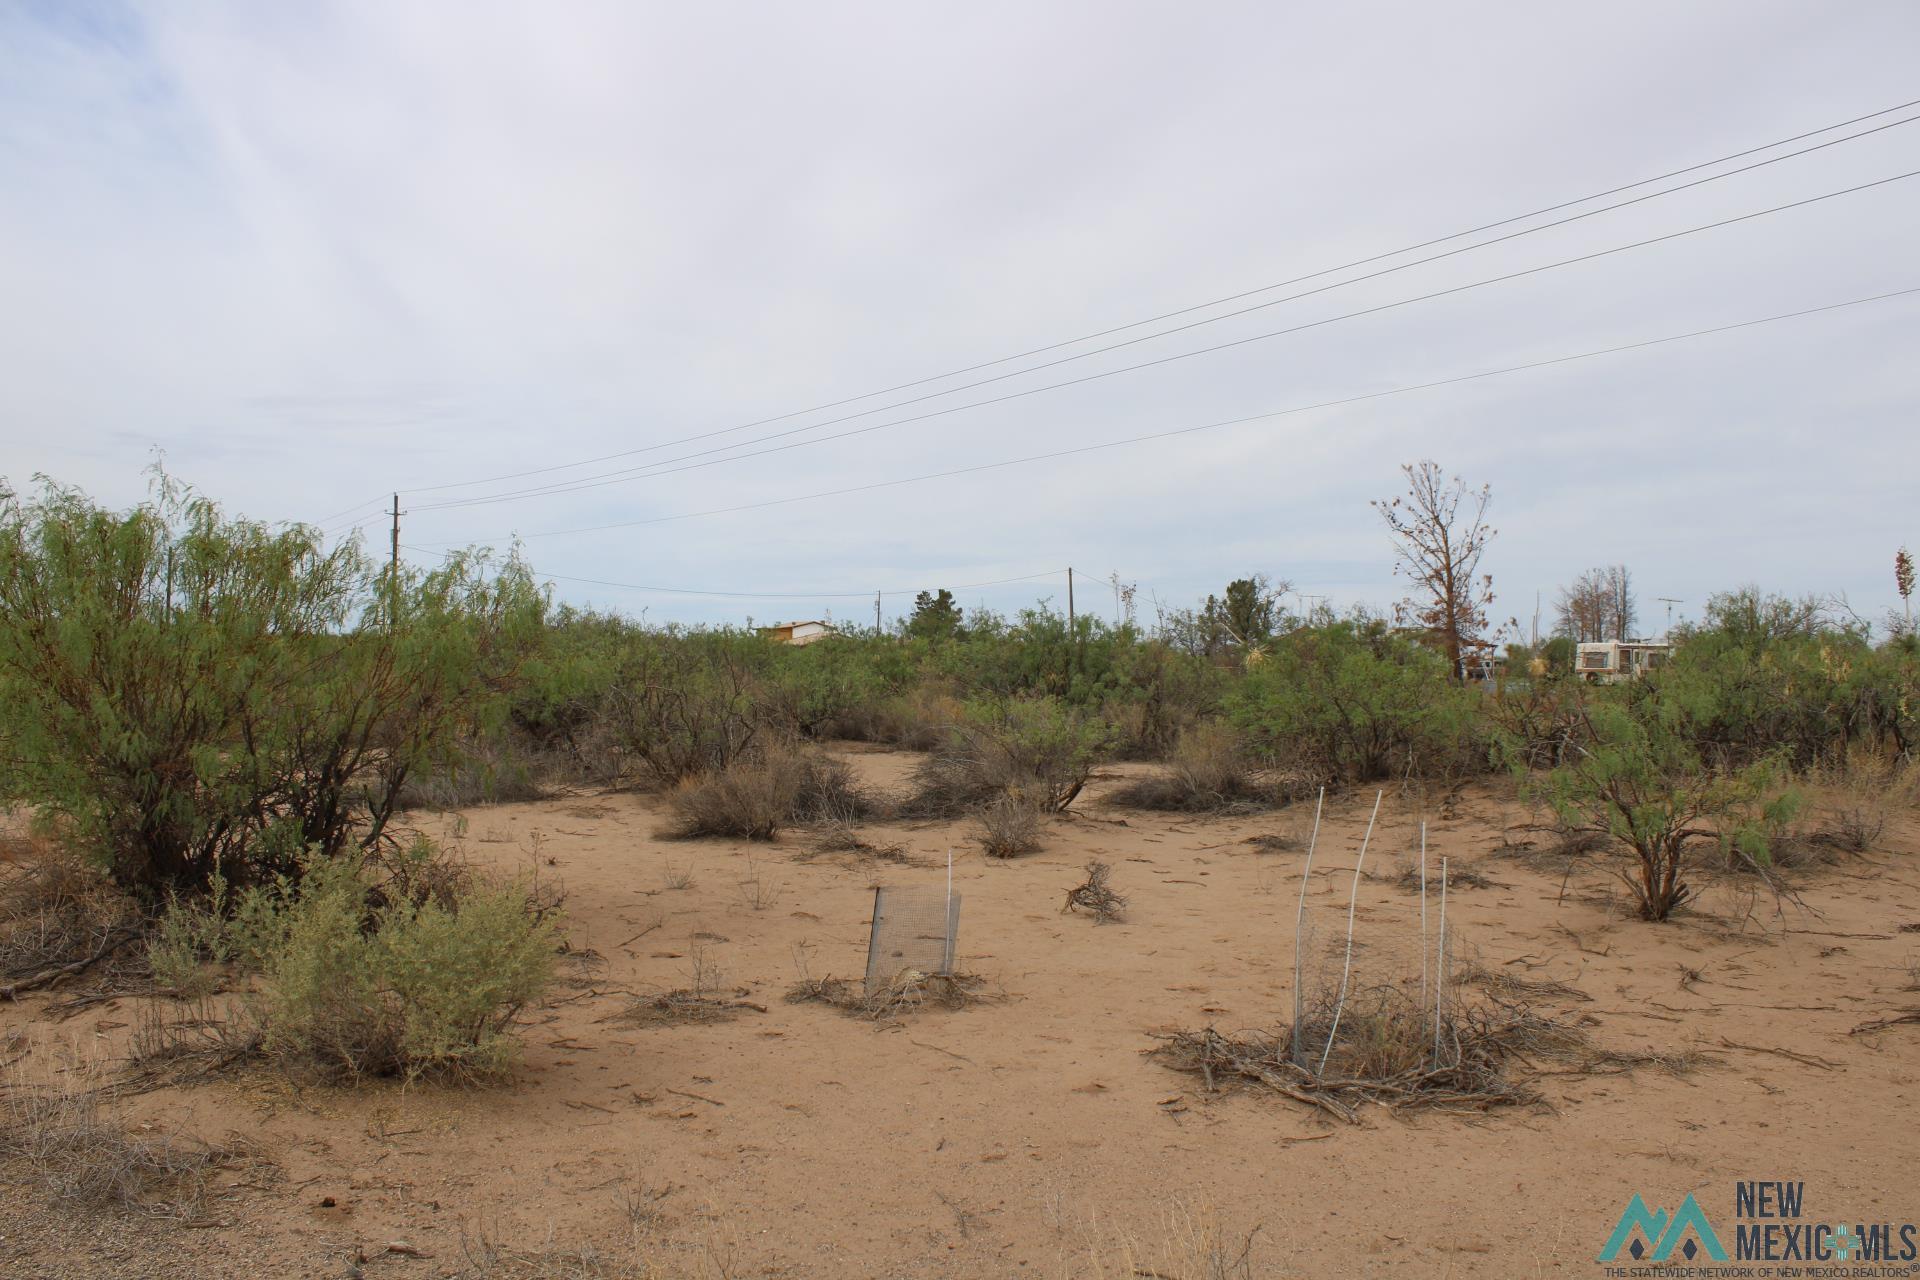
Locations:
{"points": [[1096, 894], [1208, 771], [88, 1157], [1011, 825]]}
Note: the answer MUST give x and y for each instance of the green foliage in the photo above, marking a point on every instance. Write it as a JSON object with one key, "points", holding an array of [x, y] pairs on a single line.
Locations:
{"points": [[1356, 701], [1040, 748], [189, 692], [935, 617], [361, 979], [1638, 779], [1765, 675]]}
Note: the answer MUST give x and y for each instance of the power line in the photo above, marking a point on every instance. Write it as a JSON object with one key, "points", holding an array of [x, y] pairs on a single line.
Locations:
{"points": [[1201, 306], [655, 470], [1231, 422]]}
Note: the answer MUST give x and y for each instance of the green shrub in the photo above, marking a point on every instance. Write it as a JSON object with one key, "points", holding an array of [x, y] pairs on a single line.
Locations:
{"points": [[402, 966], [1356, 702], [1637, 779], [1038, 746], [408, 989], [685, 704], [189, 692]]}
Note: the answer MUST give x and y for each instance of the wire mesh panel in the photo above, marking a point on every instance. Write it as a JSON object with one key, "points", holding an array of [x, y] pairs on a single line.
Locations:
{"points": [[913, 929]]}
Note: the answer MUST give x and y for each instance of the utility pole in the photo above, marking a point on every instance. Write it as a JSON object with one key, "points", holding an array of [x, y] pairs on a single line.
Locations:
{"points": [[876, 613], [393, 568], [1069, 599]]}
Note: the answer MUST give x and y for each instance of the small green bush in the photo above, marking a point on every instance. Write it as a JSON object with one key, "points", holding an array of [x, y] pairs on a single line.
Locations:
{"points": [[1038, 746], [372, 972], [1638, 780]]}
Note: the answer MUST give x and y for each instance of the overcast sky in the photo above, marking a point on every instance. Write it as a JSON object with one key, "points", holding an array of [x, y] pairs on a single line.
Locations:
{"points": [[317, 253]]}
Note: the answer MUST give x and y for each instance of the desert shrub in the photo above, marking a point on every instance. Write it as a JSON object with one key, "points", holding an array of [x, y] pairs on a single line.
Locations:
{"points": [[1011, 824], [499, 769], [1357, 701], [766, 788], [1538, 720], [1208, 770], [1765, 677], [1640, 782], [837, 688], [188, 691], [405, 989], [1040, 747], [684, 704], [404, 966]]}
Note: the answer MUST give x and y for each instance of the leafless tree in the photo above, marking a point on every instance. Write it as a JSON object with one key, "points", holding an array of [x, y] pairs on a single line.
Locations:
{"points": [[1598, 605], [1442, 531]]}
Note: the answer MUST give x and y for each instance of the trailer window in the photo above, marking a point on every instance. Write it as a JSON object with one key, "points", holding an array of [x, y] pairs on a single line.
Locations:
{"points": [[1594, 658]]}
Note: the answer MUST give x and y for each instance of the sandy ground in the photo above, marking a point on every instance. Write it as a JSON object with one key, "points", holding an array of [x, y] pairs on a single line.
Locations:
{"points": [[1001, 1140]]}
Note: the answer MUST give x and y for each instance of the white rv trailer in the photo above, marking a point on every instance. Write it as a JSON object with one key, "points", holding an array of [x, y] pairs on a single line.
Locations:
{"points": [[1611, 661]]}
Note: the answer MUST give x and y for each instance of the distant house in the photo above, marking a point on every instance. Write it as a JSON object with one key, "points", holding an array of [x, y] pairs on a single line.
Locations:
{"points": [[797, 632], [1611, 661]]}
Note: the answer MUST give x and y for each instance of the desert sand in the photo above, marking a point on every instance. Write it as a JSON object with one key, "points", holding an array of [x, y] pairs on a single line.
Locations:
{"points": [[1030, 1134]]}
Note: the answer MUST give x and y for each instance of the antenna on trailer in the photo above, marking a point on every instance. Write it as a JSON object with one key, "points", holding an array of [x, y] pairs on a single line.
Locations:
{"points": [[1669, 601]]}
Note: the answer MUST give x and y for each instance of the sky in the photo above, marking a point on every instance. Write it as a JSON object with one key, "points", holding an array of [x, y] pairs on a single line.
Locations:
{"points": [[313, 255]]}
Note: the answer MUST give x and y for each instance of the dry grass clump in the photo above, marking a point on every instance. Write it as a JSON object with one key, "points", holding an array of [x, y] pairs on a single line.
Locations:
{"points": [[1384, 1051], [1274, 843], [1010, 825], [1097, 895], [1207, 772], [167, 1051], [58, 915], [84, 1156], [684, 1004], [1457, 878], [909, 992], [1188, 1242], [845, 837], [770, 786]]}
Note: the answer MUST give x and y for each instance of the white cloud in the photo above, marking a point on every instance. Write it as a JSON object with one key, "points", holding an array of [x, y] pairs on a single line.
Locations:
{"points": [[317, 254]]}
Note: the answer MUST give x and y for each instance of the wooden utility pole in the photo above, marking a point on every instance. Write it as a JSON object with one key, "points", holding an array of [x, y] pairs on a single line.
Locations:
{"points": [[876, 613], [393, 568], [1069, 599]]}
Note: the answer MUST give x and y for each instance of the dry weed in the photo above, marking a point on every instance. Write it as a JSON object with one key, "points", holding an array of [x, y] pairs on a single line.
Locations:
{"points": [[83, 1154], [1010, 825], [909, 992], [1097, 895]]}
